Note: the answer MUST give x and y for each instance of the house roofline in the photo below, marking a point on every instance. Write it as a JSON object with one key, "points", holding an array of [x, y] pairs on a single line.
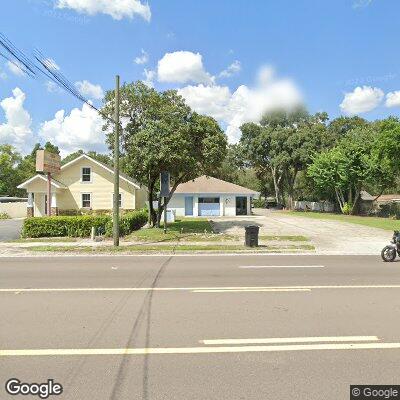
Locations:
{"points": [[53, 182]]}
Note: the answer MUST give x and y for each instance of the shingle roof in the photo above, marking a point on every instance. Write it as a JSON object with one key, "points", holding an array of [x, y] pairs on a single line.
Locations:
{"points": [[208, 184]]}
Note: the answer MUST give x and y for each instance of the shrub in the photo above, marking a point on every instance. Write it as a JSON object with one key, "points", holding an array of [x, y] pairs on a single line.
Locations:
{"points": [[390, 210], [79, 226], [129, 222], [259, 203], [4, 215]]}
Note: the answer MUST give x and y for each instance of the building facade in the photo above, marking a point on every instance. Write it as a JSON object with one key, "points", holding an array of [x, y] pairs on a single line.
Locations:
{"points": [[82, 184]]}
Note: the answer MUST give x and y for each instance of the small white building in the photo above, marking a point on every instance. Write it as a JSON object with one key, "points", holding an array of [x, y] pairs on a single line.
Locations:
{"points": [[207, 196]]}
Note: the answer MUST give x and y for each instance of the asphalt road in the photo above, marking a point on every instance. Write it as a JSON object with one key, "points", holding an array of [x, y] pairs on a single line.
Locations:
{"points": [[10, 229], [200, 327]]}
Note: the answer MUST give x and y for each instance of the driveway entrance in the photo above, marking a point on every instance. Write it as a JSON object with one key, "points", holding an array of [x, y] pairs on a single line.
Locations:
{"points": [[10, 229], [327, 236]]}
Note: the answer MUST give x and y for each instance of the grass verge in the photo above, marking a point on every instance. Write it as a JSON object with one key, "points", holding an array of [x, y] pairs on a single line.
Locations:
{"points": [[41, 240], [372, 222], [168, 248]]}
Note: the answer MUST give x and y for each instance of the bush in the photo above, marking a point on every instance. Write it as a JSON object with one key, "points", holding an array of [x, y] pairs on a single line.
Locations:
{"points": [[259, 203], [4, 215], [129, 222], [81, 226], [58, 226], [390, 210]]}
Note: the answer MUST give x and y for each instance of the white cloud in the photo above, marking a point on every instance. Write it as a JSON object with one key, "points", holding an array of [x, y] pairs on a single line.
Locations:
{"points": [[117, 9], [232, 69], [149, 77], [13, 67], [182, 67], [210, 100], [361, 3], [245, 104], [90, 90], [51, 87], [3, 75], [81, 129], [142, 59], [361, 100], [17, 128], [393, 99]]}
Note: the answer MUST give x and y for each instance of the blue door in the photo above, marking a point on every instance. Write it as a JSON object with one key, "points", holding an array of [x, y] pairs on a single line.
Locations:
{"points": [[209, 206], [189, 205]]}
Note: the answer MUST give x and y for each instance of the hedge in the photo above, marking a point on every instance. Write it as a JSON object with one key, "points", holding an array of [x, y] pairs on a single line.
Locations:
{"points": [[81, 226], [129, 222]]}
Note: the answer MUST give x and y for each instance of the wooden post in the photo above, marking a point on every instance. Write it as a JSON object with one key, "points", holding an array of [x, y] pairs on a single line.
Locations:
{"points": [[48, 194], [165, 215], [116, 166]]}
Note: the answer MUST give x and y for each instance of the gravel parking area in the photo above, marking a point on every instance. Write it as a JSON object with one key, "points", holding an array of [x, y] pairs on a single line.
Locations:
{"points": [[327, 236]]}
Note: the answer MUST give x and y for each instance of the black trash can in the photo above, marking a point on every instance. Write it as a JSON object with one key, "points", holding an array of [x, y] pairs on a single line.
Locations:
{"points": [[251, 236]]}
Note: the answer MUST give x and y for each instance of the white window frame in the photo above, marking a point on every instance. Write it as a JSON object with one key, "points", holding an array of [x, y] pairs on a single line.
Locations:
{"points": [[122, 200], [91, 175], [91, 200]]}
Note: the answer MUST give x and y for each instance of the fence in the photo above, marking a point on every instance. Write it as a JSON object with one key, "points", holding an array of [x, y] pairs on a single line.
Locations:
{"points": [[322, 206], [14, 210]]}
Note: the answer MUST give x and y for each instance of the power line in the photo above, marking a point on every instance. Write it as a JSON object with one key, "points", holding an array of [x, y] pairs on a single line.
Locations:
{"points": [[42, 65]]}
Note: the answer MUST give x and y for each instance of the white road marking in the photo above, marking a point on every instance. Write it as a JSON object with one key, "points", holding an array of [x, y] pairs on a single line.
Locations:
{"points": [[192, 289], [312, 339], [280, 266], [248, 290], [199, 350]]}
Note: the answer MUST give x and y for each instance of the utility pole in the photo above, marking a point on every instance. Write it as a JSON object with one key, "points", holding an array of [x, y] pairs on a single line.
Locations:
{"points": [[116, 166]]}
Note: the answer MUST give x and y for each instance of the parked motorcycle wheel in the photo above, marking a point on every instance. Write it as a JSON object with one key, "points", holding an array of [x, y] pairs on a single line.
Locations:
{"points": [[388, 254]]}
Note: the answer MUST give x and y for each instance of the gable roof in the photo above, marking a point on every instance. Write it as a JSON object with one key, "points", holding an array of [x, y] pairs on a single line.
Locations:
{"points": [[208, 184], [56, 184], [123, 176]]}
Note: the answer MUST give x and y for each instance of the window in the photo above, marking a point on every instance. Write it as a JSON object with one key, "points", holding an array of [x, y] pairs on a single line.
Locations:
{"points": [[212, 200], [86, 174], [119, 200], [86, 200]]}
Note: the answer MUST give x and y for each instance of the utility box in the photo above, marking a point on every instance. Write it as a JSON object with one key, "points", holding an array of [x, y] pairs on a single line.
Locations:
{"points": [[251, 235]]}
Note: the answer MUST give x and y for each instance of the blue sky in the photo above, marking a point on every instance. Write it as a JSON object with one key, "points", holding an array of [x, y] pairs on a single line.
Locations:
{"points": [[311, 51]]}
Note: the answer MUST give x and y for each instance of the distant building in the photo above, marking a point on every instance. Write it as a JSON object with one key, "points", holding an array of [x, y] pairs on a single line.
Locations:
{"points": [[208, 196]]}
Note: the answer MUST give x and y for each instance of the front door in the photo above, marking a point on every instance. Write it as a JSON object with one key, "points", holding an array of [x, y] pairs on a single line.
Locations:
{"points": [[189, 205], [241, 205], [40, 204]]}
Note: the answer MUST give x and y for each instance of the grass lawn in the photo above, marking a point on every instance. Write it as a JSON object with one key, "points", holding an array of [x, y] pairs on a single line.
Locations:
{"points": [[190, 229], [145, 248], [373, 222], [196, 230]]}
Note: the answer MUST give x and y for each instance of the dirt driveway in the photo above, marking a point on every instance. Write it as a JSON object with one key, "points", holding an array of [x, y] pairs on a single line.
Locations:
{"points": [[327, 236]]}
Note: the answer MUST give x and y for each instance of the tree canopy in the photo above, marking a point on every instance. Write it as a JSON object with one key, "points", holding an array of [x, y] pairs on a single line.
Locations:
{"points": [[162, 133]]}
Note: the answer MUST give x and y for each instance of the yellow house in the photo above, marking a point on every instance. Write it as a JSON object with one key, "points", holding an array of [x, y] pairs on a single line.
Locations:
{"points": [[82, 184]]}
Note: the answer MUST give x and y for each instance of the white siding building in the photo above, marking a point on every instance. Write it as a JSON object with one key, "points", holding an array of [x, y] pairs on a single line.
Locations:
{"points": [[207, 196]]}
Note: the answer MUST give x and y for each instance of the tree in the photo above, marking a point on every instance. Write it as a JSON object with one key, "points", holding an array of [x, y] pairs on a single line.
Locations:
{"points": [[282, 144], [9, 174], [163, 134]]}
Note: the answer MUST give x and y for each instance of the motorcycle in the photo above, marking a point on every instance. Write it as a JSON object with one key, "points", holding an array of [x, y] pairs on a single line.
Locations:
{"points": [[389, 252]]}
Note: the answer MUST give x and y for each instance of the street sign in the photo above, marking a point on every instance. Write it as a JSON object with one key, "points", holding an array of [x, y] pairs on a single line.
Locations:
{"points": [[164, 184], [47, 162]]}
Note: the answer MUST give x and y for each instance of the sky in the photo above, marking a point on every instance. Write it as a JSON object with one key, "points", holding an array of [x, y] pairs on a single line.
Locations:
{"points": [[230, 59]]}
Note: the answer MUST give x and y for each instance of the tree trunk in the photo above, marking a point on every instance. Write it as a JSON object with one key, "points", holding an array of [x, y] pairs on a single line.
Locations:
{"points": [[273, 171], [161, 205]]}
